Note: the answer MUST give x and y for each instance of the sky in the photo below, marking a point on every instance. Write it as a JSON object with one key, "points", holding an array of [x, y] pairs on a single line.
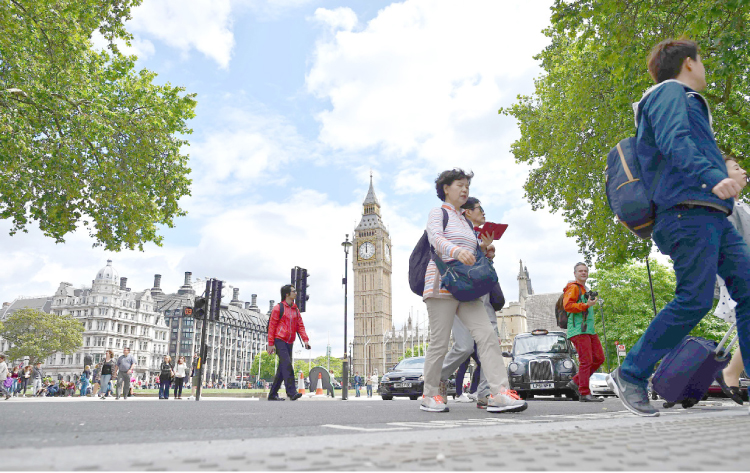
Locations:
{"points": [[298, 102]]}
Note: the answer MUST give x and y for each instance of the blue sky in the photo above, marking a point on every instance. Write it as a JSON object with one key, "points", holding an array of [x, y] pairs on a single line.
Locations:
{"points": [[298, 100]]}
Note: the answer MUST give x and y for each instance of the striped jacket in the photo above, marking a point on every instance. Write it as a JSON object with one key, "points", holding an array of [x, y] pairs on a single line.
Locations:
{"points": [[458, 235]]}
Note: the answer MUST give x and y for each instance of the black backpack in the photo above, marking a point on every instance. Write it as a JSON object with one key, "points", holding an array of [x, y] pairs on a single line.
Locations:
{"points": [[560, 314], [281, 314]]}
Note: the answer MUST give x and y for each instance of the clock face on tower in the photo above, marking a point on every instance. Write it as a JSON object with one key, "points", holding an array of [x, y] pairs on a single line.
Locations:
{"points": [[366, 250], [387, 253]]}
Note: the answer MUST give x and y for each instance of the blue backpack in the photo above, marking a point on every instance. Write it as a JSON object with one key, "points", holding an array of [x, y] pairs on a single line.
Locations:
{"points": [[420, 258], [626, 193]]}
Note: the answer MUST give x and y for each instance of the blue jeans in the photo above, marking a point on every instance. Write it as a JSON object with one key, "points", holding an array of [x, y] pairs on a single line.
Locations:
{"points": [[164, 387], [104, 383], [702, 243]]}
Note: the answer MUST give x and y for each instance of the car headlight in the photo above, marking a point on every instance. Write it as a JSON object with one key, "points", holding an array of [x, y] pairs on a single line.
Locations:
{"points": [[513, 367], [567, 364]]}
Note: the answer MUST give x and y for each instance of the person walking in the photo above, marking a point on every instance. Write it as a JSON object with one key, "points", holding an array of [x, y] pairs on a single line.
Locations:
{"points": [[582, 332], [729, 378], [108, 368], [125, 366], [85, 378], [457, 241], [464, 347], [165, 377], [282, 330], [357, 383], [687, 180], [180, 372], [3, 377], [37, 375]]}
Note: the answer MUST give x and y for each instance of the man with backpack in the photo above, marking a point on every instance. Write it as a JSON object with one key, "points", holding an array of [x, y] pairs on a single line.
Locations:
{"points": [[687, 181], [284, 324], [578, 302]]}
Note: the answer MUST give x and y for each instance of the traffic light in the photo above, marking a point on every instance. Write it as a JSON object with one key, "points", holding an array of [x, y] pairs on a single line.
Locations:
{"points": [[199, 308], [302, 296], [216, 298]]}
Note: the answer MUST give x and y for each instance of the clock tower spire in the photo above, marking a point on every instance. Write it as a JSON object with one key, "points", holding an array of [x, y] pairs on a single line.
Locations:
{"points": [[372, 288]]}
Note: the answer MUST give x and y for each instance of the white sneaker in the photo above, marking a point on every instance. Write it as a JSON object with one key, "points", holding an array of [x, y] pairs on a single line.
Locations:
{"points": [[463, 398], [472, 396], [433, 404], [506, 401]]}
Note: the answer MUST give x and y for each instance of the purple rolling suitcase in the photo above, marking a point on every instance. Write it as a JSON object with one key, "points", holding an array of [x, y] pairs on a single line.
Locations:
{"points": [[685, 374]]}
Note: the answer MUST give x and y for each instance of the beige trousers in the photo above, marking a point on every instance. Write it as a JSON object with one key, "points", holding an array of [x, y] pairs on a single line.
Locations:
{"points": [[473, 315]]}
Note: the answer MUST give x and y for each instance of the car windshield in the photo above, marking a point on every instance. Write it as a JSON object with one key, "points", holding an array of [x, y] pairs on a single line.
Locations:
{"points": [[549, 343], [411, 363]]}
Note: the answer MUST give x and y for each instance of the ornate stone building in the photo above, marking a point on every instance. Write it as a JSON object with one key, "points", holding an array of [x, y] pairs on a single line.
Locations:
{"points": [[372, 287], [113, 318], [233, 341], [531, 311]]}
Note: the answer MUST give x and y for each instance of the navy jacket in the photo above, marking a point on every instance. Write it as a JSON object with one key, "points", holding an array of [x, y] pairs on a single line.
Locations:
{"points": [[674, 133]]}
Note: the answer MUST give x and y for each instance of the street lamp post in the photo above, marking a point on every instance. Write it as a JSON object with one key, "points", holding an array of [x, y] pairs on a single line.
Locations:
{"points": [[604, 334], [345, 368]]}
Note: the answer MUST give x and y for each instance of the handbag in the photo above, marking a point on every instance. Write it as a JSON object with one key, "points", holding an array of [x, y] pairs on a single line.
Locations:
{"points": [[467, 283]]}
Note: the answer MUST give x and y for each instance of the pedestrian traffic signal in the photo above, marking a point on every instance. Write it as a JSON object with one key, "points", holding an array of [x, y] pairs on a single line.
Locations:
{"points": [[199, 308]]}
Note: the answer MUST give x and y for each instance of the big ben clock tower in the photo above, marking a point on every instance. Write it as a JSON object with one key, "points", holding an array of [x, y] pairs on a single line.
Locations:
{"points": [[372, 288]]}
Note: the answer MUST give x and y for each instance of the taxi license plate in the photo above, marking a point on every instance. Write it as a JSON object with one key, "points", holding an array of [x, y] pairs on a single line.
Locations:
{"points": [[401, 385], [542, 385]]}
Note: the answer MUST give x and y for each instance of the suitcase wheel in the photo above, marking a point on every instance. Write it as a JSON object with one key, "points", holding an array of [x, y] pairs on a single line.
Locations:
{"points": [[667, 405], [688, 403]]}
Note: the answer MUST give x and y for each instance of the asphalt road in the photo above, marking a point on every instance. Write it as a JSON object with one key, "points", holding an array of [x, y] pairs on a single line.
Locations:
{"points": [[361, 434], [61, 422]]}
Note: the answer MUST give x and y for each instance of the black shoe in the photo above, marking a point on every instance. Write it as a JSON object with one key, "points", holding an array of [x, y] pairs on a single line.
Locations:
{"points": [[732, 392], [275, 398], [296, 396], [590, 398], [572, 385], [632, 396]]}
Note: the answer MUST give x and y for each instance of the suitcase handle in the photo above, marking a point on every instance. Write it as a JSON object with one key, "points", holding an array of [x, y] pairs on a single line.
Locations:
{"points": [[721, 351]]}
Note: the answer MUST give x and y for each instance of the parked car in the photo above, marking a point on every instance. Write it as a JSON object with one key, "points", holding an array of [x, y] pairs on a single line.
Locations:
{"points": [[598, 385], [406, 379], [542, 364]]}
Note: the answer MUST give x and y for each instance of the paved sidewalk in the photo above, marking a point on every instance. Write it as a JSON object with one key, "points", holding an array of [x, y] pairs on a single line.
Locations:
{"points": [[694, 440]]}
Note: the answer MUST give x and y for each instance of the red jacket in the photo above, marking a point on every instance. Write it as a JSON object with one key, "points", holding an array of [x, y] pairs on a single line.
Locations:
{"points": [[290, 324]]}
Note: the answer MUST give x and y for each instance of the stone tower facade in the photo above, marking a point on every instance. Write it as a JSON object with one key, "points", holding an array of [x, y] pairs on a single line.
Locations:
{"points": [[372, 288]]}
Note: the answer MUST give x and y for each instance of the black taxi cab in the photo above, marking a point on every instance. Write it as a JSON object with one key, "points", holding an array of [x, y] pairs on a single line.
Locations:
{"points": [[542, 364]]}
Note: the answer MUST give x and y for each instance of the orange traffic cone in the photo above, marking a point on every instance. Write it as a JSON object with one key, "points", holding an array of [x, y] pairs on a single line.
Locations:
{"points": [[319, 389], [301, 383]]}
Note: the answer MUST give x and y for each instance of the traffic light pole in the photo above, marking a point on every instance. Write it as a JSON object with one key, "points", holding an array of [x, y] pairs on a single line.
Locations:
{"points": [[203, 349]]}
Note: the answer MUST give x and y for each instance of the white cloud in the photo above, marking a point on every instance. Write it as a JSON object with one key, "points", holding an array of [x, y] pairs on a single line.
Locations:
{"points": [[339, 19], [203, 25]]}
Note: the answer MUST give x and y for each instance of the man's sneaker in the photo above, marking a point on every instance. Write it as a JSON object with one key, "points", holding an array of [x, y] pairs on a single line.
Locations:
{"points": [[472, 396], [482, 402], [506, 401], [633, 397], [443, 389], [433, 404], [463, 398]]}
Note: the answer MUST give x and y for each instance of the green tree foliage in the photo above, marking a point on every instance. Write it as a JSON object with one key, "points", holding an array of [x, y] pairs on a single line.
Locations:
{"points": [[594, 68], [38, 335], [84, 138], [628, 309], [419, 350], [267, 366]]}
